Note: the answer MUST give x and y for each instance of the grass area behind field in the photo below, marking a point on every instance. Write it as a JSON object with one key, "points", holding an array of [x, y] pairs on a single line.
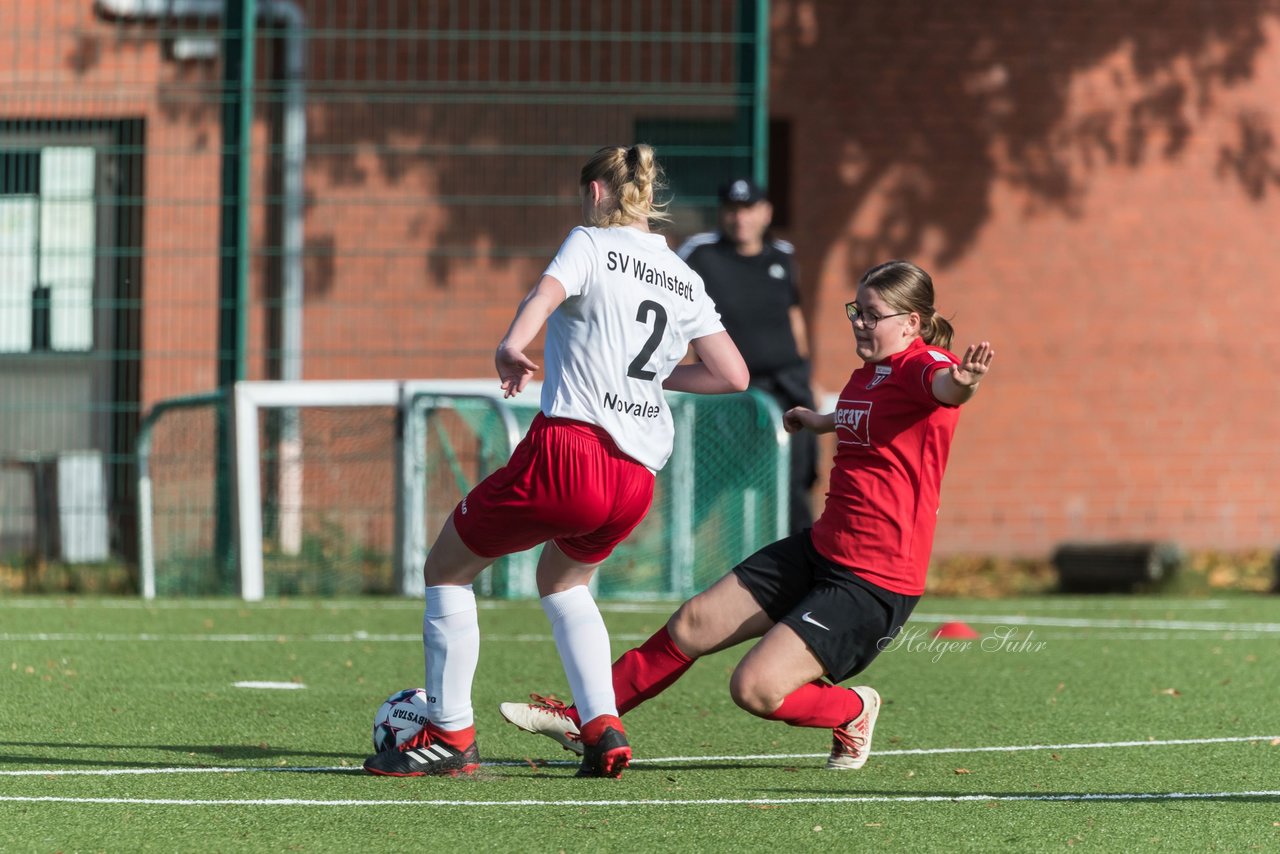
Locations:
{"points": [[121, 729]]}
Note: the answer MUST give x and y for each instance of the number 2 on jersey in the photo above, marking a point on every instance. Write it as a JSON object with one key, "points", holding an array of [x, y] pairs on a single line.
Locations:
{"points": [[637, 367]]}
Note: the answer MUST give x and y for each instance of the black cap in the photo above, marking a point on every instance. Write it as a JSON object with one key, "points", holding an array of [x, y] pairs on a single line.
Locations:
{"points": [[741, 191]]}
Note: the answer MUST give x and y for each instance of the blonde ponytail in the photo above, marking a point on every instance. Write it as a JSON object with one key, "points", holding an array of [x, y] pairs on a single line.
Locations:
{"points": [[633, 178]]}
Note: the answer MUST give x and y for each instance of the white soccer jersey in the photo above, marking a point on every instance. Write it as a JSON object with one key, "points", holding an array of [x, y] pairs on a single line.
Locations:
{"points": [[633, 307]]}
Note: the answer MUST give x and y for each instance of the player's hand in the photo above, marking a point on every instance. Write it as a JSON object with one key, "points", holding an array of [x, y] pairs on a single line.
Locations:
{"points": [[798, 418], [514, 370], [974, 365]]}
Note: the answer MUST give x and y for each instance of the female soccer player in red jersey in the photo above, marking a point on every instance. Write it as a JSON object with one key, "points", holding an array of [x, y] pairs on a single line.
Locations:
{"points": [[621, 311], [825, 601]]}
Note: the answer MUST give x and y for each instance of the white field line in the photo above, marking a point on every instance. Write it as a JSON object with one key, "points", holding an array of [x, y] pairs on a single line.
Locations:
{"points": [[1118, 604], [675, 802], [921, 751], [75, 604], [657, 606], [1121, 635], [1086, 623], [1252, 629], [348, 637]]}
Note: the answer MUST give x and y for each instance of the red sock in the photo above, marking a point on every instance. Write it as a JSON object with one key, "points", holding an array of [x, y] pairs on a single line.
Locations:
{"points": [[818, 705], [458, 739], [647, 670], [594, 729], [644, 672]]}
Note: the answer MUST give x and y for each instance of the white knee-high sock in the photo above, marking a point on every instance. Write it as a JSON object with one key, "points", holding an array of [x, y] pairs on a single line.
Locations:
{"points": [[451, 642], [583, 643]]}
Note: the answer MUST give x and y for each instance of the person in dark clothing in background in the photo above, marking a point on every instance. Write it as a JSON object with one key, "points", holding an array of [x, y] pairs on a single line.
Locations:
{"points": [[752, 279]]}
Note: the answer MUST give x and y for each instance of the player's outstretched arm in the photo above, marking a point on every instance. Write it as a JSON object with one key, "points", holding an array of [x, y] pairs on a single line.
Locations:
{"points": [[515, 369], [957, 385], [719, 371]]}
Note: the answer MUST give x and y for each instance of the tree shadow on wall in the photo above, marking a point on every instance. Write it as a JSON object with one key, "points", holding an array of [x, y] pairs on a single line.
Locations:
{"points": [[933, 108], [930, 110]]}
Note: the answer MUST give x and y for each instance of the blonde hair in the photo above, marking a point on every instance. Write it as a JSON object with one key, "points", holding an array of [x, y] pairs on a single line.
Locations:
{"points": [[906, 287], [632, 177]]}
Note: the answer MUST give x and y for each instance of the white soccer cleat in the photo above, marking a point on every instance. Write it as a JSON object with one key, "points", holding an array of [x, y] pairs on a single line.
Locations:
{"points": [[851, 743], [545, 716]]}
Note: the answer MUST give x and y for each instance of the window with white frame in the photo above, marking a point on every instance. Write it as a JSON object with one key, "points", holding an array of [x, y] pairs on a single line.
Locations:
{"points": [[47, 249]]}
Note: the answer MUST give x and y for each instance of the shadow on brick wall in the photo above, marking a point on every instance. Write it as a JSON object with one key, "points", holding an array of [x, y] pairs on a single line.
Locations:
{"points": [[921, 107], [934, 102]]}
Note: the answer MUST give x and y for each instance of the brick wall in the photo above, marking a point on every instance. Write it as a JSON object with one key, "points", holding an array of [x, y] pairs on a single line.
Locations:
{"points": [[1097, 192], [1093, 185]]}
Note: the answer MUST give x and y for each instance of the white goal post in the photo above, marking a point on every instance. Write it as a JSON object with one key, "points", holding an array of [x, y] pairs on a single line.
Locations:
{"points": [[406, 397], [727, 479]]}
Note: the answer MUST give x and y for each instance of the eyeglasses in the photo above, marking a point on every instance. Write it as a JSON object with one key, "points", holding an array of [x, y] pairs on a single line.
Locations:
{"points": [[869, 321]]}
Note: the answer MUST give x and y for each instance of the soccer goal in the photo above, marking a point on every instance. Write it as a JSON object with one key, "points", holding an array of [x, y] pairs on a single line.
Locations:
{"points": [[339, 486]]}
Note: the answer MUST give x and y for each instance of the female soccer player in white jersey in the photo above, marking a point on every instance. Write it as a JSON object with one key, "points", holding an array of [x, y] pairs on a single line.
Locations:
{"points": [[825, 601], [621, 311]]}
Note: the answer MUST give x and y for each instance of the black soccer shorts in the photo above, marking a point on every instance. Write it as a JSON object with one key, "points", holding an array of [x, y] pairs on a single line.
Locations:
{"points": [[844, 619]]}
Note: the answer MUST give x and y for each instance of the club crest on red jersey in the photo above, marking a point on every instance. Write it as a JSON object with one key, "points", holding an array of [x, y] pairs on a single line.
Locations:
{"points": [[882, 374]]}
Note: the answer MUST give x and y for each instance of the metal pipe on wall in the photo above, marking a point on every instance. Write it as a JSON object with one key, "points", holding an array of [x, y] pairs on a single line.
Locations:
{"points": [[294, 125]]}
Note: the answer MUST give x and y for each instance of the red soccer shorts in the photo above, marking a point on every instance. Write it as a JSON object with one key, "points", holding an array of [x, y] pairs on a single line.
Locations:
{"points": [[566, 481]]}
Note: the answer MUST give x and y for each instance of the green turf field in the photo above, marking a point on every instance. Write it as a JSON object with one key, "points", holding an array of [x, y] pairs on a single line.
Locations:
{"points": [[1112, 723]]}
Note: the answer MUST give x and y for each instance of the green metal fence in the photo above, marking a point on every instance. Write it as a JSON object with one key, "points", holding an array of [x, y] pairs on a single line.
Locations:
{"points": [[392, 460], [196, 191]]}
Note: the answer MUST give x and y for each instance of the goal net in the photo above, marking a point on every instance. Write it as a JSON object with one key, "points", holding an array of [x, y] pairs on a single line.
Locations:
{"points": [[339, 487]]}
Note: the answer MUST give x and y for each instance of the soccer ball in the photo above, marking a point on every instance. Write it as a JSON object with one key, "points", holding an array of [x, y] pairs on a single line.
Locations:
{"points": [[399, 719]]}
